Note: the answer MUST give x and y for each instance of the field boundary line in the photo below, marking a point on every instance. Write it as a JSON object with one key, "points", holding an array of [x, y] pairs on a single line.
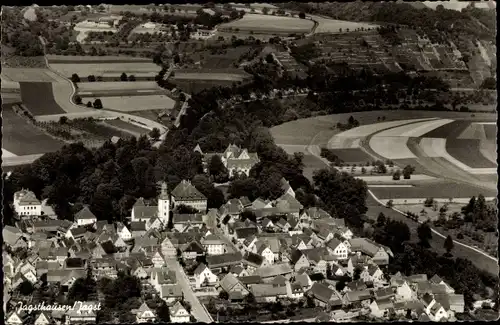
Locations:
{"points": [[435, 231]]}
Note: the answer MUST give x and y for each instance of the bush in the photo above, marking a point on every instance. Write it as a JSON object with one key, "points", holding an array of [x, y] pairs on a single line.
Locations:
{"points": [[397, 175], [89, 104], [460, 236], [78, 100], [429, 202], [97, 103]]}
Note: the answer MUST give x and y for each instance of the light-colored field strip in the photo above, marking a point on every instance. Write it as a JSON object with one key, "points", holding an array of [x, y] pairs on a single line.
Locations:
{"points": [[489, 150], [9, 84], [414, 130], [116, 85], [436, 147], [366, 130], [388, 178], [391, 147], [209, 76], [76, 58], [291, 149], [107, 69], [134, 103], [404, 201], [7, 154], [485, 123], [256, 22], [28, 75], [326, 25], [391, 185], [473, 131]]}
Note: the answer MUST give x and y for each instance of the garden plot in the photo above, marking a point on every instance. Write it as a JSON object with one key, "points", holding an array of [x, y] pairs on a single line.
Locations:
{"points": [[414, 129], [326, 25], [268, 24], [28, 75], [82, 59], [134, 103], [139, 69], [391, 147]]}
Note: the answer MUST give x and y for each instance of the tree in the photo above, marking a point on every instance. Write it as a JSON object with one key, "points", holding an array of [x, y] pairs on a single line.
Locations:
{"points": [[131, 78], [448, 244], [163, 313], [340, 285], [269, 58], [302, 15], [182, 97], [217, 169], [424, 233], [91, 78], [407, 171], [75, 78], [97, 103], [429, 202], [223, 295], [389, 204], [89, 104], [123, 77], [381, 220], [154, 134], [265, 10], [396, 175], [78, 99], [26, 288], [63, 120]]}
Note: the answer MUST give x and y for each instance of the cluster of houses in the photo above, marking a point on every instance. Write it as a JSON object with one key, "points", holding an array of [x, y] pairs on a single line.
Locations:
{"points": [[285, 252]]}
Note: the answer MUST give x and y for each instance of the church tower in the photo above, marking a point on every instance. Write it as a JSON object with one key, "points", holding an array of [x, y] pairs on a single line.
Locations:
{"points": [[164, 204]]}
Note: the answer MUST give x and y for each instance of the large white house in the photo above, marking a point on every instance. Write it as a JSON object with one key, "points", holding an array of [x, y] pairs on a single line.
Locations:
{"points": [[179, 314], [186, 194], [26, 204], [85, 217]]}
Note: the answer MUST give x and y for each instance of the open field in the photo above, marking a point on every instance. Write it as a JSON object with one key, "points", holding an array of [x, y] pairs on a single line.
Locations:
{"points": [[328, 25], [314, 128], [38, 97], [8, 83], [391, 147], [387, 179], [269, 24], [468, 152], [479, 131], [209, 76], [10, 98], [28, 75], [435, 189], [126, 126], [489, 150], [117, 85], [79, 59], [134, 103], [352, 155], [121, 93], [113, 70], [21, 138], [437, 242], [450, 130], [414, 129]]}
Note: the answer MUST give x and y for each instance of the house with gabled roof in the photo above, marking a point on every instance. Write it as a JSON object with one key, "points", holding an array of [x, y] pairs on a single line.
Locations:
{"points": [[142, 212], [183, 222], [238, 271], [267, 292], [324, 296], [145, 314], [299, 260], [213, 244], [138, 228], [285, 186], [372, 273], [85, 217], [263, 249], [235, 159], [233, 286], [171, 293], [179, 314], [192, 250], [224, 260], [253, 261], [187, 194], [14, 237], [204, 276], [337, 249], [367, 247]]}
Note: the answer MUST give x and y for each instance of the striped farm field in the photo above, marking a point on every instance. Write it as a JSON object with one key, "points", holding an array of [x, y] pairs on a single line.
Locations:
{"points": [[366, 130], [490, 130], [8, 83], [437, 190], [134, 103], [489, 150], [126, 126], [352, 155], [28, 75], [209, 76], [38, 97], [468, 152], [391, 147], [76, 59], [414, 129], [328, 25]]}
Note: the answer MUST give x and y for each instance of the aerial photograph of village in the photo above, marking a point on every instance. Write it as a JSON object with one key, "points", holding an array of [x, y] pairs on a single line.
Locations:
{"points": [[249, 162]]}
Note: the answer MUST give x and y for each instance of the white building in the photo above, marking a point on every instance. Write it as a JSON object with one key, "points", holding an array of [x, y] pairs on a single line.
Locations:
{"points": [[85, 217], [203, 275], [146, 213], [235, 159], [213, 245], [179, 314], [26, 203], [145, 314]]}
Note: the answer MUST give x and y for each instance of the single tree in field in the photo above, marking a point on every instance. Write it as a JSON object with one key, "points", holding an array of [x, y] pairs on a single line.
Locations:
{"points": [[75, 78], [302, 15], [407, 171], [91, 78], [89, 104], [131, 78], [78, 99], [265, 10], [97, 103], [424, 233], [123, 77], [63, 120], [397, 175], [389, 204], [448, 244], [155, 134]]}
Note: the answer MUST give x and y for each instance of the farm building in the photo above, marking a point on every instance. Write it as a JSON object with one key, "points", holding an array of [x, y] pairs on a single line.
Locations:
{"points": [[26, 203]]}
